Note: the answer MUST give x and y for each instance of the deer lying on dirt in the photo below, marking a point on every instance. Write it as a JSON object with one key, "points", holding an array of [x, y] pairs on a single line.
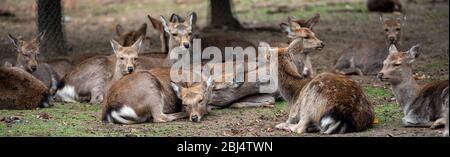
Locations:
{"points": [[91, 76], [384, 5], [291, 29], [423, 105], [329, 103], [366, 57], [198, 97], [27, 52], [21, 90], [141, 97]]}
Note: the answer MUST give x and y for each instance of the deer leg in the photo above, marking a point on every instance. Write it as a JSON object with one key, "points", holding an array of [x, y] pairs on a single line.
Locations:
{"points": [[264, 100], [438, 123]]}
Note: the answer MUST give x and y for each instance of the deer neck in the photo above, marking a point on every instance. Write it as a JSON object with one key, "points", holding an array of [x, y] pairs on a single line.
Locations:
{"points": [[405, 91], [117, 73], [289, 84]]}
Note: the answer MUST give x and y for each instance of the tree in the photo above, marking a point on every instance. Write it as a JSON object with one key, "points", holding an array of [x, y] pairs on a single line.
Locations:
{"points": [[50, 21], [221, 15]]}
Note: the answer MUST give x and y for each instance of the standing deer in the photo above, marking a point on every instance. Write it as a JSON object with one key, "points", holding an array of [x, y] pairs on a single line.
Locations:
{"points": [[91, 76], [27, 53], [422, 105], [329, 103], [141, 97], [21, 90], [366, 57]]}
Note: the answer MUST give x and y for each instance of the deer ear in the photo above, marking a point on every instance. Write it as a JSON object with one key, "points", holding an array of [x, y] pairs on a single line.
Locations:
{"points": [[165, 24], [285, 28], [40, 36], [392, 49], [115, 45], [312, 21], [176, 89], [142, 31], [156, 23], [210, 81], [413, 53], [381, 19], [192, 18], [138, 44], [14, 41], [119, 30]]}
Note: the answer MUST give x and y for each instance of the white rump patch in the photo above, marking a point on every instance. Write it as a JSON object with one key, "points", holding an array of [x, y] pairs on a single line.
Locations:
{"points": [[326, 121], [67, 94], [125, 111]]}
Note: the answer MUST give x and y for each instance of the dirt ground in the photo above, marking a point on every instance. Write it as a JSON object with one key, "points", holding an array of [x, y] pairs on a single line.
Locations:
{"points": [[90, 24]]}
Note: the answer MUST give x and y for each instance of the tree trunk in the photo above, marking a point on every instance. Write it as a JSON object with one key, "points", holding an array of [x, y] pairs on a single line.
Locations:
{"points": [[221, 15], [49, 20]]}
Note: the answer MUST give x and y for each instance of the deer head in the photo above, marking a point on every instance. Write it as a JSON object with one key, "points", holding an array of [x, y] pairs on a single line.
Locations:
{"points": [[294, 30], [126, 56], [27, 52], [180, 31], [397, 66], [392, 29]]}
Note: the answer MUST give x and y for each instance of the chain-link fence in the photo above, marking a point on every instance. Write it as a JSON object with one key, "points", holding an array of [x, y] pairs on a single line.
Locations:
{"points": [[50, 22]]}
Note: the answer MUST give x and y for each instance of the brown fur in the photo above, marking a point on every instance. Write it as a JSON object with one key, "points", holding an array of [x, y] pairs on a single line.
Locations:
{"points": [[147, 93], [384, 5], [423, 106], [326, 96], [20, 90], [366, 57]]}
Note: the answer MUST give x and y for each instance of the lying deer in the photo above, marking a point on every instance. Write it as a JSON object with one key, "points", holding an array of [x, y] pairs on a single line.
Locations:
{"points": [[91, 76], [21, 90], [141, 97], [329, 103], [198, 97], [27, 53], [423, 105], [366, 57], [384, 5]]}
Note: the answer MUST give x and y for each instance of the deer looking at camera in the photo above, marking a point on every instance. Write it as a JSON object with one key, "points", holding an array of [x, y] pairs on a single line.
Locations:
{"points": [[329, 103], [27, 54], [291, 30], [90, 77], [366, 57], [21, 90], [423, 105]]}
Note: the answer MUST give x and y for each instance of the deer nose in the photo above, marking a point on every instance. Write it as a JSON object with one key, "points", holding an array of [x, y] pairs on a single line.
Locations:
{"points": [[322, 45], [194, 118], [130, 69], [186, 45], [33, 68], [392, 39], [380, 76]]}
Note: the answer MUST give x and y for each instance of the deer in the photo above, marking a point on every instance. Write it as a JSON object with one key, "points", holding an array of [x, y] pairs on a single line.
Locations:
{"points": [[198, 98], [27, 54], [330, 103], [90, 77], [290, 29], [384, 5], [141, 97], [20, 90], [366, 57], [423, 105]]}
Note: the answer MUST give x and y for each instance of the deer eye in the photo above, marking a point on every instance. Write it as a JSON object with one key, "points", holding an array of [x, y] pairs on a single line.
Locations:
{"points": [[397, 64], [398, 29], [386, 30], [174, 34], [135, 58], [190, 33], [121, 58], [307, 37]]}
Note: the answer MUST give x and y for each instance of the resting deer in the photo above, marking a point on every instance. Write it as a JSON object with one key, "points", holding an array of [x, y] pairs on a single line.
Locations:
{"points": [[422, 105], [21, 90], [141, 97], [366, 57], [27, 53], [329, 103], [91, 76], [291, 29], [384, 5], [199, 97]]}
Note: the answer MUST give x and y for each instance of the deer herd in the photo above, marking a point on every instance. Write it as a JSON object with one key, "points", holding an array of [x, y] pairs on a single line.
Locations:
{"points": [[134, 85]]}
